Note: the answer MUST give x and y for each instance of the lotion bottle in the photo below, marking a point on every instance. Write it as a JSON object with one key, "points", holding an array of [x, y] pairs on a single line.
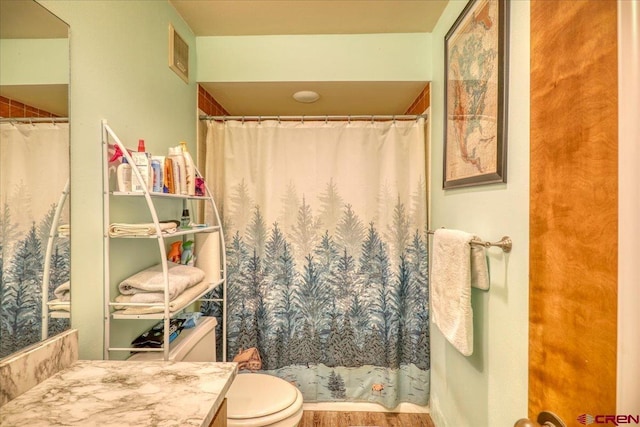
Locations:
{"points": [[190, 170], [180, 179], [123, 173]]}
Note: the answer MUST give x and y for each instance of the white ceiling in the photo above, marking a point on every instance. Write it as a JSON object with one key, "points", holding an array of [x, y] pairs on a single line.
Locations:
{"points": [[289, 17], [20, 19], [263, 17]]}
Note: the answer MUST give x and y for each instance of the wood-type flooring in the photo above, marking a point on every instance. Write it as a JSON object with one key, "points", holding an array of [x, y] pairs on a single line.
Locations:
{"points": [[359, 419]]}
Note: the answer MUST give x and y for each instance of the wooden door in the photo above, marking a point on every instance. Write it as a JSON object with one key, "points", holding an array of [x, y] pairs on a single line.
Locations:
{"points": [[573, 209]]}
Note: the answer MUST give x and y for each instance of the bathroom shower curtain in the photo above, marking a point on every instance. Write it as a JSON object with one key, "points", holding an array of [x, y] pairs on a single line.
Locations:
{"points": [[325, 229], [34, 168]]}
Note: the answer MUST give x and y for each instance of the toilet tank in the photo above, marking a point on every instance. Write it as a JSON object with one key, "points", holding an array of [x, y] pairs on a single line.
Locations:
{"points": [[192, 345]]}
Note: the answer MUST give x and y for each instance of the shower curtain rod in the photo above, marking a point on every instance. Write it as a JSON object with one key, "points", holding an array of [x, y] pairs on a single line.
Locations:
{"points": [[371, 117], [33, 119]]}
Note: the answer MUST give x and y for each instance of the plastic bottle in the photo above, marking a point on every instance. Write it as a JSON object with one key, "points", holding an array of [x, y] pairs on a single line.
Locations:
{"points": [[142, 149], [190, 170], [157, 167], [175, 170], [123, 173], [142, 160], [179, 172], [168, 185], [185, 219]]}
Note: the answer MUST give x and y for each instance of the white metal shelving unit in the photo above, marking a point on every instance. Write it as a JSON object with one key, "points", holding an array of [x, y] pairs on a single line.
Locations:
{"points": [[110, 313], [46, 273]]}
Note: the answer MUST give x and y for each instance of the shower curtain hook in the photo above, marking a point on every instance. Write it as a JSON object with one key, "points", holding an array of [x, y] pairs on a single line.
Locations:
{"points": [[259, 120], [279, 120], [394, 119], [349, 119], [243, 120], [302, 119], [372, 119], [326, 120]]}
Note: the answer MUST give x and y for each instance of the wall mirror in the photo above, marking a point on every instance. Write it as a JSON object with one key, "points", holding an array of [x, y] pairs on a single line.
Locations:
{"points": [[35, 291]]}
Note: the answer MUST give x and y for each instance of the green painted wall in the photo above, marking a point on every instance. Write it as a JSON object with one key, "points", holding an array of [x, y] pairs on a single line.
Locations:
{"points": [[34, 61], [489, 388], [119, 72], [356, 57]]}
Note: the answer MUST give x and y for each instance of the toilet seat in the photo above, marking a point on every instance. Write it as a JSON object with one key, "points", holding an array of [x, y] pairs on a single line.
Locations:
{"points": [[257, 400]]}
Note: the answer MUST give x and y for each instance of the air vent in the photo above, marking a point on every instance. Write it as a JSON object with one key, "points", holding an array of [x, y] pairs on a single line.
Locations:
{"points": [[178, 54]]}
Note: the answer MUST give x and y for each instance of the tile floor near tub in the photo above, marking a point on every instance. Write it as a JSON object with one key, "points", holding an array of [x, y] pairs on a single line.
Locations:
{"points": [[368, 419]]}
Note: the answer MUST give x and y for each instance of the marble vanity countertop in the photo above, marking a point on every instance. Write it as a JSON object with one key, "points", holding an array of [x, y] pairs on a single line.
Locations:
{"points": [[124, 393]]}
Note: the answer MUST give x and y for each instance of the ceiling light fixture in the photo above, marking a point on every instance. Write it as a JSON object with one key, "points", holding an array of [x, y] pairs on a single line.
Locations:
{"points": [[306, 96]]}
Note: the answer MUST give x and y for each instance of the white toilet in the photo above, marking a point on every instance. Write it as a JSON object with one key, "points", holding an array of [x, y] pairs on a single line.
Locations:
{"points": [[253, 400]]}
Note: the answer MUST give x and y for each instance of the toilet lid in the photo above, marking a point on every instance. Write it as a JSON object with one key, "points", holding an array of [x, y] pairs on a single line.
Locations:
{"points": [[258, 395]]}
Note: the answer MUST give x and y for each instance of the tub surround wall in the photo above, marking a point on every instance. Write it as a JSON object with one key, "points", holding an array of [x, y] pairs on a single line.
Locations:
{"points": [[209, 105], [12, 108], [422, 101], [25, 369], [112, 393]]}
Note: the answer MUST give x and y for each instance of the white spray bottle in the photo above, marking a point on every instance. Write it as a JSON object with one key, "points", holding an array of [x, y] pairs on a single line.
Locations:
{"points": [[190, 169]]}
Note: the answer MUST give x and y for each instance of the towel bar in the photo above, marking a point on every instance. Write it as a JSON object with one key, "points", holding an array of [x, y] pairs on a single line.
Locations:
{"points": [[505, 243]]}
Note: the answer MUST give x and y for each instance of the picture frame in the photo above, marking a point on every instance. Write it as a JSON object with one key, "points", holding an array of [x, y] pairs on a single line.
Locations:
{"points": [[475, 96]]}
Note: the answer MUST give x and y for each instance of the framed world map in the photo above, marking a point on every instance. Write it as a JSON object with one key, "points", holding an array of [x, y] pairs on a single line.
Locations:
{"points": [[475, 123]]}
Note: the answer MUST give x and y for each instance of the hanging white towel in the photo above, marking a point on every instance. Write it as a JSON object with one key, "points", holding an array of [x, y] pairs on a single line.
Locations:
{"points": [[479, 268], [451, 287]]}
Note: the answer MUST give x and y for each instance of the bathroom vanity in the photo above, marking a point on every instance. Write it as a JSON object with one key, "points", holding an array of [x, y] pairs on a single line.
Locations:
{"points": [[125, 393]]}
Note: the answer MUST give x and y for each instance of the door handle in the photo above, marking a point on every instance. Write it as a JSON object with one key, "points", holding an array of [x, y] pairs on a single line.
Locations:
{"points": [[545, 419]]}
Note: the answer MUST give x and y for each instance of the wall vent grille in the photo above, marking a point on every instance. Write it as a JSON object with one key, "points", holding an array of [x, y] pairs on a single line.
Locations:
{"points": [[178, 54]]}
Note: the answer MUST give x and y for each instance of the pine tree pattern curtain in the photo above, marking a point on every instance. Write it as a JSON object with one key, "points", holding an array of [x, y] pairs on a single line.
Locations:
{"points": [[34, 168], [325, 229]]}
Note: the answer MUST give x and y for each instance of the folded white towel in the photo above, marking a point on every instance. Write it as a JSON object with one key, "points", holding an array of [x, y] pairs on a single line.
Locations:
{"points": [[180, 277], [178, 303], [63, 292], [64, 230], [451, 287], [144, 229], [57, 305]]}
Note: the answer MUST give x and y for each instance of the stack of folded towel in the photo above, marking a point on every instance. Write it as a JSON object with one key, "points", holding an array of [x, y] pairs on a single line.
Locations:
{"points": [[63, 230], [63, 297], [147, 286], [145, 229]]}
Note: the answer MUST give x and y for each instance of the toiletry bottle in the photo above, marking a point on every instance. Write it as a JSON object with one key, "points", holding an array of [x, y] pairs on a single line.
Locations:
{"points": [[190, 169], [156, 168], [124, 176], [142, 149], [168, 185], [142, 161], [175, 170], [185, 220], [180, 181]]}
